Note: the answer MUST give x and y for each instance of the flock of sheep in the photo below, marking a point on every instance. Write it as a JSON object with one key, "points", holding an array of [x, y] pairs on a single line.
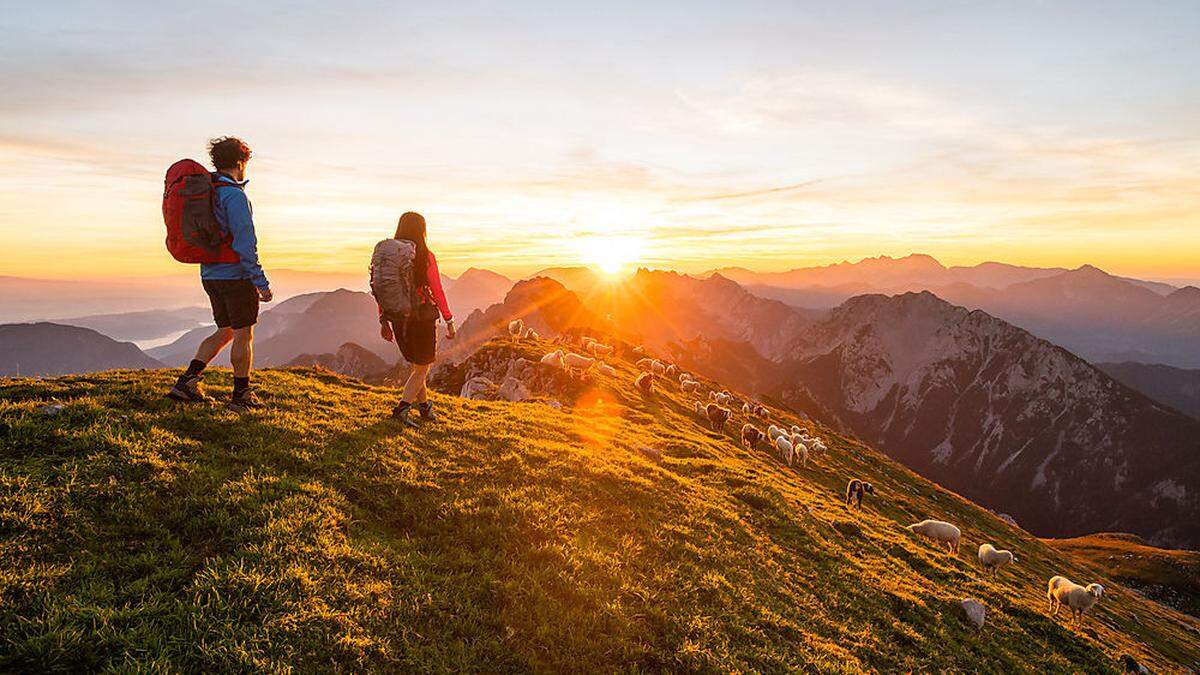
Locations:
{"points": [[796, 445]]}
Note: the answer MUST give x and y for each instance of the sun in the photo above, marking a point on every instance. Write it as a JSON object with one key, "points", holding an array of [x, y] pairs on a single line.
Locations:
{"points": [[612, 255]]}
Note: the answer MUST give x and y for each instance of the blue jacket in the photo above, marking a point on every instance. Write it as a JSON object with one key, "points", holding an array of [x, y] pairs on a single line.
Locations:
{"points": [[234, 213]]}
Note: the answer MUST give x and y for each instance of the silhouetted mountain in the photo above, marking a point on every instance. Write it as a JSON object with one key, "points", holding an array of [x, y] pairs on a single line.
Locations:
{"points": [[30, 349], [581, 280], [1001, 416], [330, 321], [349, 359], [475, 289], [1176, 387], [542, 303], [144, 325]]}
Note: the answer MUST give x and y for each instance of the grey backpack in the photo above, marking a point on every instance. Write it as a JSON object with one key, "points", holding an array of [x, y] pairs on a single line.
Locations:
{"points": [[392, 281]]}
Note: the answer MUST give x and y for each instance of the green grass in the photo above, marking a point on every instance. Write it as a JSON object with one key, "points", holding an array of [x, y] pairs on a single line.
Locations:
{"points": [[317, 535]]}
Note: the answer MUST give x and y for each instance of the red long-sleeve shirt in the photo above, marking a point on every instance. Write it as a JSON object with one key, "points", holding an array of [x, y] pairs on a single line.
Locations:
{"points": [[434, 280]]}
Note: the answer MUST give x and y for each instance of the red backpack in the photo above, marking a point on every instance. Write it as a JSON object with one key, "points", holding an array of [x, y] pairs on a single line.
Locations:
{"points": [[193, 233]]}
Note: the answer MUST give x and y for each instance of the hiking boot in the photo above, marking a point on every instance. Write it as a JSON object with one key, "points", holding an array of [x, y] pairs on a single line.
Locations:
{"points": [[188, 390], [401, 413], [426, 410], [244, 401]]}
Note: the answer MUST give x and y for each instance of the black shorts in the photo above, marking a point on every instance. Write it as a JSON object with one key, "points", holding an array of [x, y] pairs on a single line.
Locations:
{"points": [[234, 302], [417, 339]]}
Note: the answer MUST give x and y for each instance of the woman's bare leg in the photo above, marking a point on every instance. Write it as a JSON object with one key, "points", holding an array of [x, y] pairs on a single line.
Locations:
{"points": [[414, 387]]}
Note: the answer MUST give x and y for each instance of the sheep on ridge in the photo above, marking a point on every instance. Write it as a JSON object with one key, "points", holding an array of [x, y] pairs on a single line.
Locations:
{"points": [[606, 369], [785, 449], [643, 364], [555, 358], [799, 451], [578, 361], [991, 559], [751, 435], [855, 491], [717, 416], [940, 532], [515, 328], [745, 408], [645, 383], [1078, 598], [657, 367], [597, 349], [774, 432], [672, 371]]}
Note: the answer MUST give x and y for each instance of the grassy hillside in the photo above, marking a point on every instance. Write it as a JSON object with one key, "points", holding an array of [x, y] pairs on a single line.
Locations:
{"points": [[318, 535], [1168, 576]]}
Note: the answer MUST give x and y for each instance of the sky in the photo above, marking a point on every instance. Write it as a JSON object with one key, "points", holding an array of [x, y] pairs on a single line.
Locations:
{"points": [[686, 135]]}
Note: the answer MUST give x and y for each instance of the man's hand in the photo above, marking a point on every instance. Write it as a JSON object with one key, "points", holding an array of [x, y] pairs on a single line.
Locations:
{"points": [[385, 331], [265, 295], [450, 330]]}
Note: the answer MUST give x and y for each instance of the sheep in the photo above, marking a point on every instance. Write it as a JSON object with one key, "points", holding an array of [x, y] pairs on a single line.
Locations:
{"points": [[597, 349], [657, 367], [585, 342], [515, 327], [672, 371], [991, 559], [606, 369], [554, 358], [701, 410], [643, 364], [1078, 598], [751, 435], [762, 412], [712, 395], [534, 334], [745, 408], [645, 383], [689, 386], [785, 449], [939, 532], [796, 431], [855, 491], [774, 432], [717, 416], [800, 451], [578, 361], [817, 445], [684, 376]]}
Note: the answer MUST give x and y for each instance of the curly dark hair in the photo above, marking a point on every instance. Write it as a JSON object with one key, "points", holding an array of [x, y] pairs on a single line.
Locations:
{"points": [[227, 151]]}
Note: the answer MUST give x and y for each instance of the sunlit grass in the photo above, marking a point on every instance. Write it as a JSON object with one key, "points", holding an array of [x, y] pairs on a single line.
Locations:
{"points": [[317, 535]]}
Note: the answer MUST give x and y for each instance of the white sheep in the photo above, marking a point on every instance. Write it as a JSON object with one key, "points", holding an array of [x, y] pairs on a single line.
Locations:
{"points": [[554, 358], [672, 371], [684, 376], [643, 364], [606, 369], [796, 431], [992, 559], [1078, 598], [785, 449], [700, 410], [597, 349], [745, 408], [658, 367], [578, 361], [939, 532], [774, 432], [585, 342], [800, 451], [689, 386], [515, 328]]}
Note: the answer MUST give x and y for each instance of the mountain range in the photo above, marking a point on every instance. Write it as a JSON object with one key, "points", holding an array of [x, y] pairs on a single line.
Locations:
{"points": [[40, 349]]}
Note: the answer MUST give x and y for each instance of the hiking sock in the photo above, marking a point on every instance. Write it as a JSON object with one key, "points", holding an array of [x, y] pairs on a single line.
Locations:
{"points": [[194, 368], [240, 384]]}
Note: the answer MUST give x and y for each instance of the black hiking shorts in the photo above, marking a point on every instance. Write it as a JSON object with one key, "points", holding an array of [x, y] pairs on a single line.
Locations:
{"points": [[234, 302], [417, 339]]}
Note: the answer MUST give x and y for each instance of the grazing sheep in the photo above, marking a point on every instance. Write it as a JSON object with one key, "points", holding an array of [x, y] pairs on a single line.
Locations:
{"points": [[1078, 598], [657, 367], [796, 431], [645, 383], [774, 432], [515, 327], [701, 410], [762, 412], [684, 376], [597, 349], [817, 445], [785, 449], [672, 371], [799, 451], [712, 395], [578, 361], [745, 408], [689, 386], [751, 435], [717, 416], [855, 491], [643, 364], [555, 358], [991, 559], [939, 532], [585, 342], [606, 369], [534, 334]]}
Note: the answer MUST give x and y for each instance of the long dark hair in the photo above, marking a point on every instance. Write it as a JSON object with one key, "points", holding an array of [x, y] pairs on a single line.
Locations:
{"points": [[412, 228]]}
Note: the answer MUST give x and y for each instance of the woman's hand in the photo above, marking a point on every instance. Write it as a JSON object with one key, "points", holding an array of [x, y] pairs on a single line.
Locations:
{"points": [[450, 330], [385, 331]]}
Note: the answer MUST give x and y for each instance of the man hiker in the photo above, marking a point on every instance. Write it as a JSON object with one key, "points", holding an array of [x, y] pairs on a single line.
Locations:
{"points": [[234, 286]]}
